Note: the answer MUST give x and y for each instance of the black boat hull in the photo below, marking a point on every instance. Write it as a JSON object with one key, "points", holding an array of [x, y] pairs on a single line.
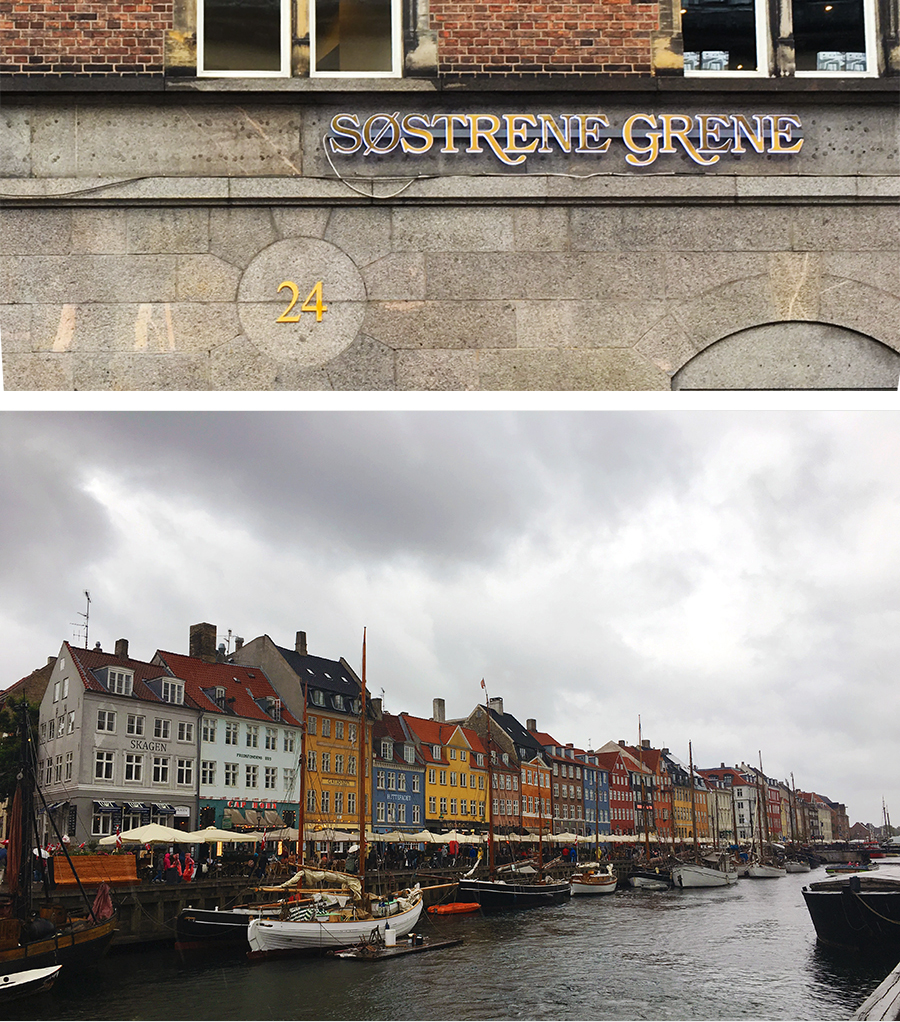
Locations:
{"points": [[196, 929], [495, 897], [855, 919]]}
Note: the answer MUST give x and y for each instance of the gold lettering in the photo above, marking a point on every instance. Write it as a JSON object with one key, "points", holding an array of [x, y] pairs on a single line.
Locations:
{"points": [[489, 135], [670, 133], [422, 133], [754, 137], [449, 120], [562, 134], [517, 134], [710, 126], [350, 132], [649, 151], [589, 126], [781, 132]]}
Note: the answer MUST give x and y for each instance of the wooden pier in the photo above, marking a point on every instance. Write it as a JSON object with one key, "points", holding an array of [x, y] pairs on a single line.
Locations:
{"points": [[883, 1004]]}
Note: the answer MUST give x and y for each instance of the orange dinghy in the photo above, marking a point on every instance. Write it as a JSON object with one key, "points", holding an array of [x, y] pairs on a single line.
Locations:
{"points": [[455, 907]]}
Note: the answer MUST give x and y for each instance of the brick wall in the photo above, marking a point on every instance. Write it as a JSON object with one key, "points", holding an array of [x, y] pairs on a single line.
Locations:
{"points": [[84, 36], [567, 37]]}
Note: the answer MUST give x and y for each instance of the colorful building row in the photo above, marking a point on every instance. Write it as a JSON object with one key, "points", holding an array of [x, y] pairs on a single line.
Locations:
{"points": [[215, 738]]}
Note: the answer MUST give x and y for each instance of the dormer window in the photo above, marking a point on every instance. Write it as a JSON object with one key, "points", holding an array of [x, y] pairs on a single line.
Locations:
{"points": [[220, 694], [436, 751], [387, 750], [409, 753], [119, 682], [173, 691], [318, 697], [338, 702]]}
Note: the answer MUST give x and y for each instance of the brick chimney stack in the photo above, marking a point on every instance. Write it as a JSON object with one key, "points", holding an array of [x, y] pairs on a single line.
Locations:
{"points": [[203, 642], [300, 644], [122, 649], [438, 711]]}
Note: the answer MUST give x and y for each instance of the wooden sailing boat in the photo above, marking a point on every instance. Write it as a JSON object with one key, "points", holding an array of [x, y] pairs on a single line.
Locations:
{"points": [[763, 868], [697, 874], [34, 937], [794, 864], [315, 919], [527, 887]]}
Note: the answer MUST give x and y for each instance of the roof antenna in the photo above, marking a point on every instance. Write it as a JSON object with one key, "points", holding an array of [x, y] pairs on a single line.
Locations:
{"points": [[82, 629]]}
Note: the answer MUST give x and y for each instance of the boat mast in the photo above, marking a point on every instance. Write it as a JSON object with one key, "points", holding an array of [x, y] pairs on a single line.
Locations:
{"points": [[596, 812], [693, 803], [361, 796], [301, 795], [765, 790], [644, 814], [490, 794], [793, 807]]}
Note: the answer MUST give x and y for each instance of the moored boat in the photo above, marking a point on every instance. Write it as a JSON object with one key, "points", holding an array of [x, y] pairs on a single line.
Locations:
{"points": [[691, 874], [860, 910], [592, 881], [765, 871], [27, 982], [454, 908], [494, 895], [795, 866], [851, 867], [650, 881], [32, 936], [311, 929]]}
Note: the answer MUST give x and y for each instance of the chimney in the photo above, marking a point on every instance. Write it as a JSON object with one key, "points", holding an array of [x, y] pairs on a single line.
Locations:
{"points": [[238, 643], [570, 745], [122, 649], [721, 766], [438, 711], [622, 742], [645, 743], [665, 752], [203, 642], [220, 653], [497, 705], [376, 708], [300, 644], [531, 724]]}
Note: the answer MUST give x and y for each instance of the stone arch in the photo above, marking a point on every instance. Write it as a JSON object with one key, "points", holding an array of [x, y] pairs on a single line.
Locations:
{"points": [[793, 355], [831, 310]]}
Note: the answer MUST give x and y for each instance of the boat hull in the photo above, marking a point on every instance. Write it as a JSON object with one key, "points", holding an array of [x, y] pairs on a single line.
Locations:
{"points": [[597, 885], [65, 947], [689, 875], [496, 896], [761, 871], [277, 937], [26, 982], [797, 867], [648, 883], [855, 919], [196, 929]]}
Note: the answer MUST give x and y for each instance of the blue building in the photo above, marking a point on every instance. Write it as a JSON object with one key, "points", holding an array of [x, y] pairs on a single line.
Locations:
{"points": [[398, 777]]}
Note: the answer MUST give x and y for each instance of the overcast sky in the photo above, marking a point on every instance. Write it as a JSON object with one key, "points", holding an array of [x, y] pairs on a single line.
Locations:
{"points": [[731, 577]]}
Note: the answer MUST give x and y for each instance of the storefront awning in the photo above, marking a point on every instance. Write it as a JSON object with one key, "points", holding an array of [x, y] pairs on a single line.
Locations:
{"points": [[106, 807], [137, 807], [161, 807]]}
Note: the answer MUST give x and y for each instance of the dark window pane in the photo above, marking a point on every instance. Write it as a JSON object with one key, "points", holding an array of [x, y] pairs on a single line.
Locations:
{"points": [[353, 35], [719, 35], [242, 35], [829, 35]]}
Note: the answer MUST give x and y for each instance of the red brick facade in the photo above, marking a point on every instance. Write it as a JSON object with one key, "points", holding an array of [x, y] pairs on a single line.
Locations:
{"points": [[534, 38], [84, 36]]}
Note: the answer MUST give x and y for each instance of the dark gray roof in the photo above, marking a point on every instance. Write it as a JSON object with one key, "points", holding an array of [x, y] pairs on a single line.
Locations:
{"points": [[317, 672], [522, 738]]}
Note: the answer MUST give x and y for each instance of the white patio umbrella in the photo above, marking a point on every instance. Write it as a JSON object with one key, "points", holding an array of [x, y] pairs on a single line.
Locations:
{"points": [[150, 833], [423, 837], [215, 834]]}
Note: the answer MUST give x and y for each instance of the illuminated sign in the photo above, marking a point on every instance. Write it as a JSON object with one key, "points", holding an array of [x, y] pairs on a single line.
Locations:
{"points": [[512, 138]]}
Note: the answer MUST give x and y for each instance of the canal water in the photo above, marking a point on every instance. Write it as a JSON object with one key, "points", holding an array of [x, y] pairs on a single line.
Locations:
{"points": [[741, 952]]}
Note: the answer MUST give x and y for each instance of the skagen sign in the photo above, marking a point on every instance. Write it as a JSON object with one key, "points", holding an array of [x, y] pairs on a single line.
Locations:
{"points": [[512, 138]]}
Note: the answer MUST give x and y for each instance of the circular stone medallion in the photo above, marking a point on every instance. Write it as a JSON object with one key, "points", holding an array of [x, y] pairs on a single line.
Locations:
{"points": [[310, 273]]}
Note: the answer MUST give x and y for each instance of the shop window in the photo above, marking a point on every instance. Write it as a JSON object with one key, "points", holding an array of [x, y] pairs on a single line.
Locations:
{"points": [[834, 36], [724, 36], [355, 37], [247, 38]]}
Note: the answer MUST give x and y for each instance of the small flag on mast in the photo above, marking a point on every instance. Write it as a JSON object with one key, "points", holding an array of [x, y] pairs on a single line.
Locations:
{"points": [[483, 685]]}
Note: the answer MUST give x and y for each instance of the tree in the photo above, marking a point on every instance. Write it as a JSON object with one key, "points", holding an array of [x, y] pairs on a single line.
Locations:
{"points": [[11, 741]]}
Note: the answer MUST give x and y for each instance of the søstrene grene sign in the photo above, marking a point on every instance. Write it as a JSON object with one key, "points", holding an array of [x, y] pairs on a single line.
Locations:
{"points": [[512, 138]]}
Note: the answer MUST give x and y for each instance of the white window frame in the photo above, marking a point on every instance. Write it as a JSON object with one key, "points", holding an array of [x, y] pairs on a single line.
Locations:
{"points": [[871, 71], [396, 48], [764, 54], [283, 71]]}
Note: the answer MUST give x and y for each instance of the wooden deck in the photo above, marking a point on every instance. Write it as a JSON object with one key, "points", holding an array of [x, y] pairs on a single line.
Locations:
{"points": [[883, 1004]]}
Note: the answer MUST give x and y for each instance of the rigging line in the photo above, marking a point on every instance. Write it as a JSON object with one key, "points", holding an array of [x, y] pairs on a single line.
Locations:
{"points": [[894, 922]]}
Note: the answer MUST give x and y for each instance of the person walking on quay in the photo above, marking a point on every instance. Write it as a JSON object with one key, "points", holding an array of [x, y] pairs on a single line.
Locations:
{"points": [[189, 868], [172, 868]]}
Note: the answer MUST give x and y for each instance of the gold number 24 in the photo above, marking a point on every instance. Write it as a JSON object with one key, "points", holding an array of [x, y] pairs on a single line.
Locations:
{"points": [[318, 307]]}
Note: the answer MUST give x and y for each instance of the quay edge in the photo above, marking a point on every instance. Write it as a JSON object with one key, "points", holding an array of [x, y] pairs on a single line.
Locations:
{"points": [[883, 1004]]}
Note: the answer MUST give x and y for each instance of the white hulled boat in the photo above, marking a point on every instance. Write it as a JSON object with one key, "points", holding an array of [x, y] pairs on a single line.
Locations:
{"points": [[765, 871], [793, 866], [592, 881], [320, 927], [690, 874]]}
